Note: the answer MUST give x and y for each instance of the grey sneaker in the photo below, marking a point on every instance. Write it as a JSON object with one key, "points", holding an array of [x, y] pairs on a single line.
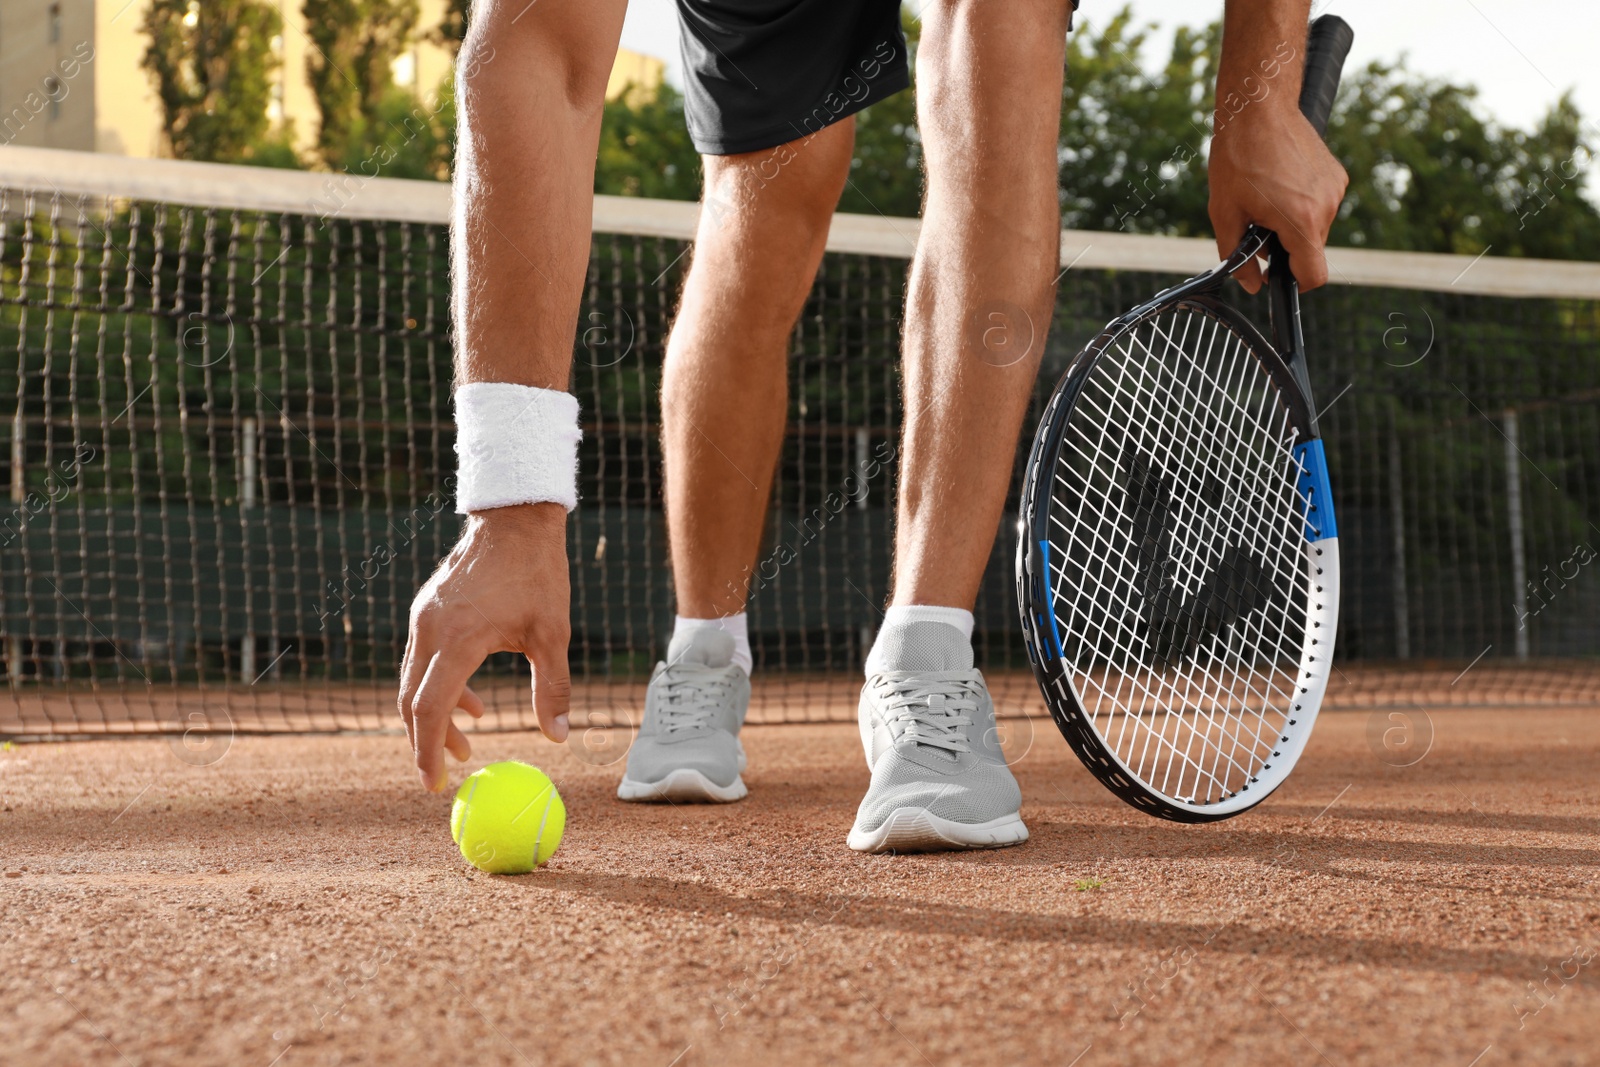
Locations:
{"points": [[939, 778], [688, 745]]}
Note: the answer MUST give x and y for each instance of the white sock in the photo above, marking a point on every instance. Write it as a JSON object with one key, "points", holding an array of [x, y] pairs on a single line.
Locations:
{"points": [[736, 626], [901, 616]]}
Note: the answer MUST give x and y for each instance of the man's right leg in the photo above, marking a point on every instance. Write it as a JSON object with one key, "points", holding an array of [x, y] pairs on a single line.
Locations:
{"points": [[979, 299], [724, 401]]}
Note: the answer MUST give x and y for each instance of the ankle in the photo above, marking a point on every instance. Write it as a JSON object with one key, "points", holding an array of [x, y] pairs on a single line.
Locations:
{"points": [[735, 626], [895, 647]]}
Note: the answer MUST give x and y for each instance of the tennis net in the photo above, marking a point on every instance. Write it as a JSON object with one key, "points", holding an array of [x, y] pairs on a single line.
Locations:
{"points": [[228, 450]]}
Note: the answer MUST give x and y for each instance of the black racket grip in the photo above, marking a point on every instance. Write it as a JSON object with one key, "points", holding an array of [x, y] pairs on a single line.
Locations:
{"points": [[1326, 49]]}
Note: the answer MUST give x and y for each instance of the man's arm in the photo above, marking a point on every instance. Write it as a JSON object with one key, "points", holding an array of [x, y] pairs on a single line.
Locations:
{"points": [[1268, 165], [530, 89]]}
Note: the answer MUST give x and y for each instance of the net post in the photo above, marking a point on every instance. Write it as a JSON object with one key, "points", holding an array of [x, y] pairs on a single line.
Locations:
{"points": [[19, 493], [864, 633], [861, 467], [19, 481], [1519, 565], [247, 502], [247, 487], [1397, 519]]}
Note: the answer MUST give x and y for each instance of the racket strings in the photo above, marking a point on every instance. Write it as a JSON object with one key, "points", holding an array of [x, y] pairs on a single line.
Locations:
{"points": [[1192, 534], [1276, 488], [1156, 701], [1234, 738], [1188, 517], [1179, 569], [1228, 735]]}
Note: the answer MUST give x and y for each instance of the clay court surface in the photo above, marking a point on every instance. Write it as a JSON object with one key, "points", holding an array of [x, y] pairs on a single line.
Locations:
{"points": [[299, 901]]}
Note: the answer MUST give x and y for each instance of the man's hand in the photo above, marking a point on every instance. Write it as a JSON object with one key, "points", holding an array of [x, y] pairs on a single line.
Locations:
{"points": [[1268, 165], [503, 588]]}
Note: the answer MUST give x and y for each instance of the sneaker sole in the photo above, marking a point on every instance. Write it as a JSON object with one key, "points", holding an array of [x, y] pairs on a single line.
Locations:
{"points": [[683, 786], [918, 830]]}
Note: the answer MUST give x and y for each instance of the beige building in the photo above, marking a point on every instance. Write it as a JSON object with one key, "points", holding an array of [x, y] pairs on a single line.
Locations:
{"points": [[71, 75], [641, 71]]}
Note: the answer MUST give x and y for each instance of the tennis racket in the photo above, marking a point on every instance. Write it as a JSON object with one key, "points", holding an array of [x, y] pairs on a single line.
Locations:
{"points": [[1178, 558]]}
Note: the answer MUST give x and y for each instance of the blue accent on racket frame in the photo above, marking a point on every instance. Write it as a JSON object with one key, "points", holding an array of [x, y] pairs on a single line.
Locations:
{"points": [[1314, 492], [1044, 597]]}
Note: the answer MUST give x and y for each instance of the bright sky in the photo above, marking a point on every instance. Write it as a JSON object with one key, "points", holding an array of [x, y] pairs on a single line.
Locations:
{"points": [[1521, 56]]}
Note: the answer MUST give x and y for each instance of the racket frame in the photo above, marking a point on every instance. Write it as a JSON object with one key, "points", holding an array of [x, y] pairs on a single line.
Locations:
{"points": [[1284, 362]]}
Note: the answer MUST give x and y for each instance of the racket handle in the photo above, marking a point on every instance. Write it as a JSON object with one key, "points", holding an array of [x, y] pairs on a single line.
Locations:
{"points": [[1326, 49]]}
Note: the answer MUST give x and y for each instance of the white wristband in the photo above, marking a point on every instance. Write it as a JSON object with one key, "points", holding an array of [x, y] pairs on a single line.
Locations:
{"points": [[515, 444]]}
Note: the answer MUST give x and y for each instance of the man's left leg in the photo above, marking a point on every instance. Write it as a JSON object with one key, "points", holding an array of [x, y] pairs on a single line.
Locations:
{"points": [[770, 91], [724, 402], [979, 302]]}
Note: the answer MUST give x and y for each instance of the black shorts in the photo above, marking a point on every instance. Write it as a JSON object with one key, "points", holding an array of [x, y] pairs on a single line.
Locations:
{"points": [[760, 73]]}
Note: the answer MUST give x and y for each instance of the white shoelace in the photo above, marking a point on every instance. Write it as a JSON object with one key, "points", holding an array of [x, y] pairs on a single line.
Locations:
{"points": [[935, 707], [691, 695]]}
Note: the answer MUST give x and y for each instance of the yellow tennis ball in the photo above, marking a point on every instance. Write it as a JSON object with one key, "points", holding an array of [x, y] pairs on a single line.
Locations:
{"points": [[507, 818]]}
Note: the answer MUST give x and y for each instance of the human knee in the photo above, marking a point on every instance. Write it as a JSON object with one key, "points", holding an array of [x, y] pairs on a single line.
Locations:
{"points": [[967, 44], [800, 179], [555, 51]]}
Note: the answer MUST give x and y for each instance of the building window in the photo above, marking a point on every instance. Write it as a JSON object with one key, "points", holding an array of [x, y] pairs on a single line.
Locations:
{"points": [[55, 23], [54, 91]]}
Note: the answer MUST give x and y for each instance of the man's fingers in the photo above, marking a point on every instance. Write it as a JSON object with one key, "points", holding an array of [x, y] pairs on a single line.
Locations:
{"points": [[1230, 231], [1249, 276], [1228, 234], [456, 743], [411, 668], [552, 690], [506, 575], [438, 696], [1306, 260]]}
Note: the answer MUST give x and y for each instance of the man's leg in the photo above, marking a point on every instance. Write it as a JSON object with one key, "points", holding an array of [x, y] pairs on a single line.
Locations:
{"points": [[724, 400], [978, 304], [724, 393], [982, 288]]}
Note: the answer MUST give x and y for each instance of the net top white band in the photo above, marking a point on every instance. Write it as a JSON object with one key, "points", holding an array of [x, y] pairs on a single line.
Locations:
{"points": [[47, 170]]}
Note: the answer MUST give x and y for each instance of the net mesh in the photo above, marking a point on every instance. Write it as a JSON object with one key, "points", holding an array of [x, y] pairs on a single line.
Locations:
{"points": [[228, 446], [1178, 564]]}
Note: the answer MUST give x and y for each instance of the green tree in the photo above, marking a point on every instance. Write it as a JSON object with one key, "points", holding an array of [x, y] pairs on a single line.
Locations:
{"points": [[452, 28], [1428, 173], [212, 66], [886, 167], [355, 45], [645, 148], [1132, 141], [1554, 216], [406, 136]]}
